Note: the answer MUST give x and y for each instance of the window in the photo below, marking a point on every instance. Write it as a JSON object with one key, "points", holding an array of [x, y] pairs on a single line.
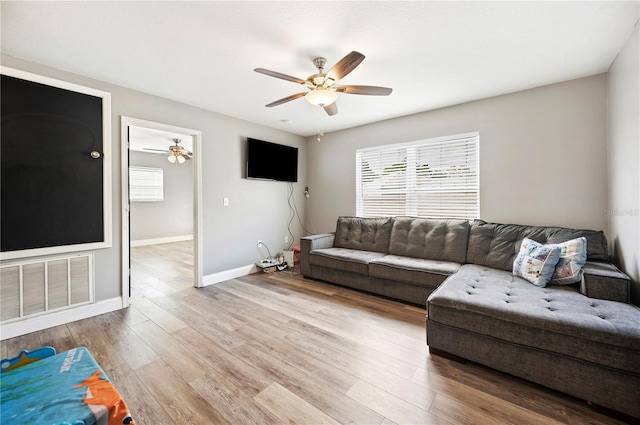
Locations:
{"points": [[434, 178], [146, 184]]}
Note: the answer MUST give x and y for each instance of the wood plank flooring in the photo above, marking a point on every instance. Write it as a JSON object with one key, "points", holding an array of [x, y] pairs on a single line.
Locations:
{"points": [[280, 349]]}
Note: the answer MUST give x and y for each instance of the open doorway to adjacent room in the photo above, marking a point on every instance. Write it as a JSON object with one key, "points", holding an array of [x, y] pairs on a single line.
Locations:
{"points": [[161, 225]]}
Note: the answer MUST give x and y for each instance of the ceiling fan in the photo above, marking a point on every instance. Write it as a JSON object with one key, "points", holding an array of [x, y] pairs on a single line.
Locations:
{"points": [[324, 88], [176, 152]]}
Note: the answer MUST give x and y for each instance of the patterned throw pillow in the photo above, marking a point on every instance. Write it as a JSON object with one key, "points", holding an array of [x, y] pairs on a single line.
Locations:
{"points": [[536, 262], [573, 255]]}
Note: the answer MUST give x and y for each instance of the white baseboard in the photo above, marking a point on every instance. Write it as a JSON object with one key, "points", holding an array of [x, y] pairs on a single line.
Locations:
{"points": [[212, 279], [144, 242], [45, 321]]}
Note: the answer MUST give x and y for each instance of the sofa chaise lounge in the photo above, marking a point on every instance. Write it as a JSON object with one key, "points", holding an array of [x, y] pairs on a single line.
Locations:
{"points": [[582, 339]]}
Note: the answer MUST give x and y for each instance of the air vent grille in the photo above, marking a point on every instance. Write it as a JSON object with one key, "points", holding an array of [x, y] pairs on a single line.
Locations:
{"points": [[36, 287]]}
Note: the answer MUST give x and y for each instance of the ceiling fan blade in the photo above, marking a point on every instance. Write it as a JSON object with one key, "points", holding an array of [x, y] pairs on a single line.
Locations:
{"points": [[155, 150], [286, 99], [367, 90], [331, 109], [345, 66], [279, 75]]}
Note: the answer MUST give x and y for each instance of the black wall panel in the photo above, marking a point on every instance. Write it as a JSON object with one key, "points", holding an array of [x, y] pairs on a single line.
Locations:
{"points": [[52, 188]]}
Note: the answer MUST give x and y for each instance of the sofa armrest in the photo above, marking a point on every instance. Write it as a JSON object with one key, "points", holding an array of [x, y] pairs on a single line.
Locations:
{"points": [[308, 244], [605, 281]]}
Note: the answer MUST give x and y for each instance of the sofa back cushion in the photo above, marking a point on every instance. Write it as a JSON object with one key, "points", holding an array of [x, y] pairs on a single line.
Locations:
{"points": [[431, 239], [497, 245], [366, 234]]}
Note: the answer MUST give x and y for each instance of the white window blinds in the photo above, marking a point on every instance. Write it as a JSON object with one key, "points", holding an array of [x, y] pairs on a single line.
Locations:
{"points": [[146, 184], [435, 178]]}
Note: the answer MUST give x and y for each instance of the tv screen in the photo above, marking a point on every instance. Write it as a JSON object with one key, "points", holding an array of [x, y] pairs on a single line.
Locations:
{"points": [[271, 161]]}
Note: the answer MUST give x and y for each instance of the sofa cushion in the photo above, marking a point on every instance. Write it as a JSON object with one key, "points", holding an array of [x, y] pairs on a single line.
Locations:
{"points": [[432, 239], [417, 271], [349, 260], [366, 234], [536, 262], [496, 245], [573, 255], [557, 319]]}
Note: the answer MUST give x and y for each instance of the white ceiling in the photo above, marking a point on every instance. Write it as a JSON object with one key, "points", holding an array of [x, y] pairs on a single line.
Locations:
{"points": [[141, 139], [433, 54]]}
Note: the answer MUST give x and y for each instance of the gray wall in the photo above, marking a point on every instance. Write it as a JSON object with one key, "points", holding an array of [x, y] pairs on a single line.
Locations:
{"points": [[624, 160], [257, 209], [171, 217], [542, 155]]}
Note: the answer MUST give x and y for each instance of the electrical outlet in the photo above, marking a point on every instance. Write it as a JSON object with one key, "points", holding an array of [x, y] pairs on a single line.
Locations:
{"points": [[286, 238], [259, 244]]}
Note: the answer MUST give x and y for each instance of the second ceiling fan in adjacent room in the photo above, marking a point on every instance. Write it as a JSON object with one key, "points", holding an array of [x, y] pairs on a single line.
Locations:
{"points": [[176, 153]]}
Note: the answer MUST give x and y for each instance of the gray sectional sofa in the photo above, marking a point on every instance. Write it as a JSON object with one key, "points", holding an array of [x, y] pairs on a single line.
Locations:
{"points": [[582, 339]]}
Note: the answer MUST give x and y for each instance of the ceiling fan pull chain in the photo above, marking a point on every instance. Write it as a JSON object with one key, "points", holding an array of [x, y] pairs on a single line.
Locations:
{"points": [[320, 132]]}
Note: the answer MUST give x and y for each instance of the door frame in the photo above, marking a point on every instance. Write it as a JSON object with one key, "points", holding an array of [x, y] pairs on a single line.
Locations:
{"points": [[125, 122]]}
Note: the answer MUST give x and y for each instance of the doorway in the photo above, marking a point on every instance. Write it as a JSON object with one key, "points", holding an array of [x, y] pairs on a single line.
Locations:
{"points": [[172, 243]]}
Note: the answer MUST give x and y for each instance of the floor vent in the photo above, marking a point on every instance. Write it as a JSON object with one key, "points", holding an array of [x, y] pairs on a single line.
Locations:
{"points": [[36, 287]]}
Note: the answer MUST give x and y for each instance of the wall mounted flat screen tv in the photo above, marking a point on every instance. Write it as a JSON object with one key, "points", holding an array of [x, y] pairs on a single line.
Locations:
{"points": [[271, 161]]}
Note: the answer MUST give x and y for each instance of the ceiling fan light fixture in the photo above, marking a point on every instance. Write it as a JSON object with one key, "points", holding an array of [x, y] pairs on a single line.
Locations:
{"points": [[181, 159], [321, 97], [323, 86], [171, 158]]}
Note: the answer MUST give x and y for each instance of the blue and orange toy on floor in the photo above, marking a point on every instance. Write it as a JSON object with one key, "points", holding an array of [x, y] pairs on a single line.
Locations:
{"points": [[67, 388]]}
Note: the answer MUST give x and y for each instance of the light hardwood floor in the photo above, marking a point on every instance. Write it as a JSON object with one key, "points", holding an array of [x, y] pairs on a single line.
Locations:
{"points": [[278, 348]]}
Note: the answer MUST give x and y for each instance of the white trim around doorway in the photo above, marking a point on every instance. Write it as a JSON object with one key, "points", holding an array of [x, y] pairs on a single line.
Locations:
{"points": [[125, 122]]}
